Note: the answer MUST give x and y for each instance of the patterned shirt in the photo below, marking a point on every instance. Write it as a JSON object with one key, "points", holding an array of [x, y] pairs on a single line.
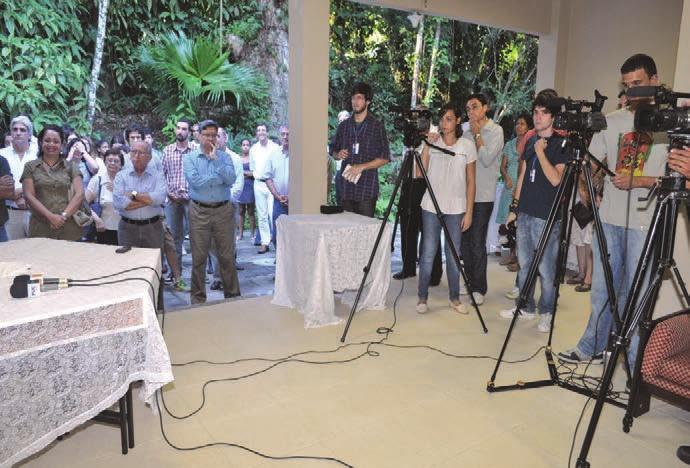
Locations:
{"points": [[173, 169], [365, 142], [17, 166]]}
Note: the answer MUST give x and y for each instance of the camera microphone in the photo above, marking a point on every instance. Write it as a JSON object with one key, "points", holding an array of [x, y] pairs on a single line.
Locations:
{"points": [[641, 92]]}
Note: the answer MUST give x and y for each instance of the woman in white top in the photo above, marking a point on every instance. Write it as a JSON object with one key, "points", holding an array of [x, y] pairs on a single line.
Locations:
{"points": [[452, 179], [102, 185]]}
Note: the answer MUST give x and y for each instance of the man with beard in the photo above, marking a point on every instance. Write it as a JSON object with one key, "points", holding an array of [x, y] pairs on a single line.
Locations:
{"points": [[637, 158], [177, 209], [362, 144]]}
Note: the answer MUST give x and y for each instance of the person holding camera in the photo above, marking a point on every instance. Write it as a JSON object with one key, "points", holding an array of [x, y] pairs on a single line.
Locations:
{"points": [[541, 168], [452, 179], [487, 136], [637, 158], [361, 143]]}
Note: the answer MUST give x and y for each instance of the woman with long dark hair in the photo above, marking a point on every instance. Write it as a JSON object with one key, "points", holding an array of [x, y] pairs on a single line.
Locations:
{"points": [[46, 183]]}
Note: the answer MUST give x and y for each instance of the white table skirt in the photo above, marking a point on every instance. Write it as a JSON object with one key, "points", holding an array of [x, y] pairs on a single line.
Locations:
{"points": [[320, 254], [67, 355]]}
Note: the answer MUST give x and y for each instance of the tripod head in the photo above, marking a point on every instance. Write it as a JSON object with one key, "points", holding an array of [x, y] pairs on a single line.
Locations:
{"points": [[577, 142]]}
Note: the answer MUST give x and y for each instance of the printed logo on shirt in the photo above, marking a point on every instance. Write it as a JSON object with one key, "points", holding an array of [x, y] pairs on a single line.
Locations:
{"points": [[634, 149]]}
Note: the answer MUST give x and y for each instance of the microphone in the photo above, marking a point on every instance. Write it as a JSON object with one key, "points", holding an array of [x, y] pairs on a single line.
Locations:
{"points": [[33, 285], [642, 91]]}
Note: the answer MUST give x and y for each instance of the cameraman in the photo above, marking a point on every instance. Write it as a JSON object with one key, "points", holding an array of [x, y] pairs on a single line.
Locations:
{"points": [[637, 158], [361, 142], [541, 168]]}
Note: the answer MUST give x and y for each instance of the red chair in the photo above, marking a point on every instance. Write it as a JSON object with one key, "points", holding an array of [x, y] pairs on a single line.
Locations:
{"points": [[665, 366]]}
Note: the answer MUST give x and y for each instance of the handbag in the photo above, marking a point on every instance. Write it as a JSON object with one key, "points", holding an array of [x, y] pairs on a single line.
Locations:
{"points": [[583, 214], [83, 215]]}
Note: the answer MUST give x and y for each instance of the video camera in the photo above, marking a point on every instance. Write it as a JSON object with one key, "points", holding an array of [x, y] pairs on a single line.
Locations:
{"points": [[414, 125], [663, 115], [573, 118]]}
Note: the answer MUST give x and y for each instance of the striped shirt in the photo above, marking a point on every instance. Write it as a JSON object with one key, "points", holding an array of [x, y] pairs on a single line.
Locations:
{"points": [[173, 169]]}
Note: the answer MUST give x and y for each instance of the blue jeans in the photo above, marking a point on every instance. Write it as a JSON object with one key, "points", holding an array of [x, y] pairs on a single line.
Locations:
{"points": [[3, 234], [474, 247], [431, 231], [529, 229], [278, 210], [176, 217], [596, 334]]}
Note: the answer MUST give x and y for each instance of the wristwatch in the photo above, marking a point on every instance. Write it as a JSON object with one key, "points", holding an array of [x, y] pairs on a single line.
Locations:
{"points": [[133, 196], [64, 215]]}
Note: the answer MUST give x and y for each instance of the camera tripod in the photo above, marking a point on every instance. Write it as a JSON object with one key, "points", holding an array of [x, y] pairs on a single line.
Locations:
{"points": [[657, 258], [564, 201], [412, 156]]}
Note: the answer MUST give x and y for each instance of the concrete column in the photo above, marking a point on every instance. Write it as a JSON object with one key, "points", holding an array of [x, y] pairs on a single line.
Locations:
{"points": [[553, 49], [308, 103], [670, 298]]}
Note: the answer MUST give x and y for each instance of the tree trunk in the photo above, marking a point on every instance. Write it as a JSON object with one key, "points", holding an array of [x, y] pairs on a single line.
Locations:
{"points": [[417, 62], [269, 55], [97, 59], [434, 56]]}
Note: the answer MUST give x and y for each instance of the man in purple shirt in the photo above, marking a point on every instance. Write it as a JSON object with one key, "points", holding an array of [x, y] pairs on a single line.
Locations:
{"points": [[361, 143]]}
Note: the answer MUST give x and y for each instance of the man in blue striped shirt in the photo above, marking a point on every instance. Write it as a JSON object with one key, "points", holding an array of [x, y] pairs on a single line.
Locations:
{"points": [[138, 192], [210, 174]]}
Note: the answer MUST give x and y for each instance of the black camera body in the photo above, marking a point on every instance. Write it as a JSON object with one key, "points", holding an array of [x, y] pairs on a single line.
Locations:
{"points": [[663, 115], [573, 117], [414, 125]]}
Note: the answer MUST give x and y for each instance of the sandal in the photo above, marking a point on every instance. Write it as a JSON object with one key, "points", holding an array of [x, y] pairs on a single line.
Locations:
{"points": [[584, 287], [574, 280]]}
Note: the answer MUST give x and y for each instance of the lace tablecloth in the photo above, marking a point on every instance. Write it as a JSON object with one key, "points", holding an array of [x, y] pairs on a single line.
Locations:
{"points": [[320, 254], [67, 355]]}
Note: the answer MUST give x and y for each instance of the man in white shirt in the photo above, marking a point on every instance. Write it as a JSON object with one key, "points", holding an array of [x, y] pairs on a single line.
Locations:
{"points": [[487, 137], [278, 180], [259, 161], [17, 155]]}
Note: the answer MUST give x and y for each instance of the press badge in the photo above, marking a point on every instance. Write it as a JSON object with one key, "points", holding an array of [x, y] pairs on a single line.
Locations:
{"points": [[532, 174], [355, 148]]}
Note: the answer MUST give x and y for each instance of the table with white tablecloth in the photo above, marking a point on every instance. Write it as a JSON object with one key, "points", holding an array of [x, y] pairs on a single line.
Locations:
{"points": [[69, 354], [320, 254]]}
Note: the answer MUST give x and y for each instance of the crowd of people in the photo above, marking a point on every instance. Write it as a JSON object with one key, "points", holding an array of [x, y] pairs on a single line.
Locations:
{"points": [[62, 185]]}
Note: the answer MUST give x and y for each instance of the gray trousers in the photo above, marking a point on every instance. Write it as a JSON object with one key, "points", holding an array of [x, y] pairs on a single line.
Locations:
{"points": [[148, 236], [217, 225]]}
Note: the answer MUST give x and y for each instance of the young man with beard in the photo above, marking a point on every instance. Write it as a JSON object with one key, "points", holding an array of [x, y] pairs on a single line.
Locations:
{"points": [[177, 209], [362, 144], [637, 158]]}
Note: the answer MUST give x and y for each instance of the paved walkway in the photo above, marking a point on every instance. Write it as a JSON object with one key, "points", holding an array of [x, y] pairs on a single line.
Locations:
{"points": [[256, 279]]}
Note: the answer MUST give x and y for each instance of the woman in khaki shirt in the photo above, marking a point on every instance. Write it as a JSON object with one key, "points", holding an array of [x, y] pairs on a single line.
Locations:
{"points": [[46, 182]]}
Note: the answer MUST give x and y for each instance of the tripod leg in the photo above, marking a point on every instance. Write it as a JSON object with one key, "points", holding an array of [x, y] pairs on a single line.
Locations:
{"points": [[534, 267], [404, 172], [449, 239]]}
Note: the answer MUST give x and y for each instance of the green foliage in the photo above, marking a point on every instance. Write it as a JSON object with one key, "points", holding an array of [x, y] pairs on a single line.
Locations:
{"points": [[43, 67], [192, 73]]}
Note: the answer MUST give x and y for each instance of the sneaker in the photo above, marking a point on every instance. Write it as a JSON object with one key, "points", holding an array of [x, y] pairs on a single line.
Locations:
{"points": [[478, 298], [544, 324], [576, 357], [513, 293], [459, 308], [509, 313], [181, 285], [463, 290], [169, 279], [422, 308]]}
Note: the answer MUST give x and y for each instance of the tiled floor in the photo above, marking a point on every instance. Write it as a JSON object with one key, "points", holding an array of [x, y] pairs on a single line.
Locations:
{"points": [[401, 408]]}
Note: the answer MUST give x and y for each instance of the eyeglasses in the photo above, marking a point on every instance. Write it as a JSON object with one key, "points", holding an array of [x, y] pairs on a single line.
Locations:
{"points": [[137, 153]]}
